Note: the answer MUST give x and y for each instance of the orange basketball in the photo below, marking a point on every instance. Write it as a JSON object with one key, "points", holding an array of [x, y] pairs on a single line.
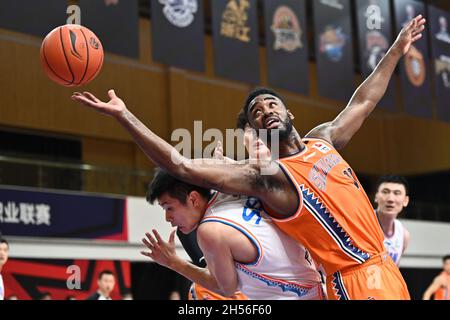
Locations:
{"points": [[71, 55]]}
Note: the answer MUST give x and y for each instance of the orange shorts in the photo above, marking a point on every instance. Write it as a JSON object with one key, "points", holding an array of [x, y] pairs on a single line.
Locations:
{"points": [[197, 292], [377, 279]]}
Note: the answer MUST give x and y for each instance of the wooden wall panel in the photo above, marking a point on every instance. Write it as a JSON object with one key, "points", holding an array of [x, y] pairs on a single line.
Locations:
{"points": [[166, 98]]}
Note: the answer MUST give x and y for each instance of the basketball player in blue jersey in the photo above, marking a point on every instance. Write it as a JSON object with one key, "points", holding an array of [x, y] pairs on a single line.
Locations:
{"points": [[391, 198]]}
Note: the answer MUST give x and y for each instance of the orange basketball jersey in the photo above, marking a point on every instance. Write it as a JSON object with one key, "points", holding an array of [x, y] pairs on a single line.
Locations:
{"points": [[443, 293], [197, 292], [335, 220]]}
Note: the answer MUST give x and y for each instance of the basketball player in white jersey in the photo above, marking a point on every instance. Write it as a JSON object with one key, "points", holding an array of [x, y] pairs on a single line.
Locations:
{"points": [[391, 198], [243, 249], [4, 250]]}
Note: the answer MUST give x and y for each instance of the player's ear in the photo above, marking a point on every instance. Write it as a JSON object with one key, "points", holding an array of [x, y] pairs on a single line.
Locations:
{"points": [[406, 202], [291, 116], [194, 198]]}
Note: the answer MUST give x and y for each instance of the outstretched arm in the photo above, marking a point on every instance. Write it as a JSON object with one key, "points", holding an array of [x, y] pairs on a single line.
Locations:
{"points": [[368, 95], [209, 173], [258, 178]]}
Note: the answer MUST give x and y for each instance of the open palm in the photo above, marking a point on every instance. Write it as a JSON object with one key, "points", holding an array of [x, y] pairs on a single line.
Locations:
{"points": [[410, 34], [113, 107]]}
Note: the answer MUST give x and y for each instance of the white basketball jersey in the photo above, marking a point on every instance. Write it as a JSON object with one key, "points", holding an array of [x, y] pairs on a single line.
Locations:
{"points": [[2, 288], [283, 269], [394, 244]]}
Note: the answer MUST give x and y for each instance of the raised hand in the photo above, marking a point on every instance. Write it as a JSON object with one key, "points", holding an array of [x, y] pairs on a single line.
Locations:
{"points": [[410, 34], [114, 107], [163, 253]]}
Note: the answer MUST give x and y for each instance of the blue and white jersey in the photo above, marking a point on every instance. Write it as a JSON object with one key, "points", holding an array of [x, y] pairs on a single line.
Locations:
{"points": [[283, 269], [2, 288], [394, 245]]}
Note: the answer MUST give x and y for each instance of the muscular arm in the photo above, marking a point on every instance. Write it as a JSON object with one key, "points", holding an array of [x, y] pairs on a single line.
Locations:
{"points": [[233, 178], [219, 258], [369, 93]]}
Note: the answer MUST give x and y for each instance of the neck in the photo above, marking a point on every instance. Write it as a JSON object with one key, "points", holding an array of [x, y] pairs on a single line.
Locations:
{"points": [[387, 223], [292, 145]]}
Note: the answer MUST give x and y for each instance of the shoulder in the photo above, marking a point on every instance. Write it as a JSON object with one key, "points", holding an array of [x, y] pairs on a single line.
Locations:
{"points": [[321, 132], [211, 235]]}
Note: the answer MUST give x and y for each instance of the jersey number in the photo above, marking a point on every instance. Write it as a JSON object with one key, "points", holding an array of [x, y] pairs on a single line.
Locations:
{"points": [[248, 215]]}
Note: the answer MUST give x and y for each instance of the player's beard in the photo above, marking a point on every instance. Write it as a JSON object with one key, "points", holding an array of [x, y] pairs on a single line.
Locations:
{"points": [[283, 134]]}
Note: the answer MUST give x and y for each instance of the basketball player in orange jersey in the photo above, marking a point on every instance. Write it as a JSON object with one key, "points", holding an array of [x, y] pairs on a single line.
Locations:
{"points": [[440, 286], [315, 197]]}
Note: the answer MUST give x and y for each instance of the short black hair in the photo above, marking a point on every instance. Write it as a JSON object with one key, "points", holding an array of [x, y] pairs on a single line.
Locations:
{"points": [[257, 92], [447, 257], [107, 272], [242, 120], [393, 179], [163, 182], [3, 240]]}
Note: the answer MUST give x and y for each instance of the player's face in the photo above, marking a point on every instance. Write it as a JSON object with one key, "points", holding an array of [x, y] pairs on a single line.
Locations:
{"points": [[447, 266], [106, 283], [268, 112], [391, 198], [4, 250], [254, 145], [185, 216]]}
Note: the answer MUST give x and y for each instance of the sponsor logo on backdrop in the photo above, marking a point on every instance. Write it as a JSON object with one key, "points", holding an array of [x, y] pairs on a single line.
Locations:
{"points": [[442, 69], [332, 43], [286, 29], [377, 46], [336, 4], [410, 14], [443, 35], [235, 20], [180, 13], [374, 19], [415, 67], [25, 213]]}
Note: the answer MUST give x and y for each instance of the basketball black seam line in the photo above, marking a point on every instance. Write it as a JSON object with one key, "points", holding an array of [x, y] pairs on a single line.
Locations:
{"points": [[48, 64], [87, 53], [98, 67], [65, 56]]}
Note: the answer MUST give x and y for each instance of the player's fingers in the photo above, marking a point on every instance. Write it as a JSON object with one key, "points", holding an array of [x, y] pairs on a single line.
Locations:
{"points": [[172, 237], [147, 244], [112, 94], [147, 254], [417, 37], [419, 29], [157, 236], [151, 239], [91, 97]]}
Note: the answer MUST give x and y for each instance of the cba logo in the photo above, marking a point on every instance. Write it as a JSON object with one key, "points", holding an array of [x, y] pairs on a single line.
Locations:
{"points": [[180, 13], [286, 29], [377, 45], [415, 67], [234, 20], [332, 43], [94, 43]]}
